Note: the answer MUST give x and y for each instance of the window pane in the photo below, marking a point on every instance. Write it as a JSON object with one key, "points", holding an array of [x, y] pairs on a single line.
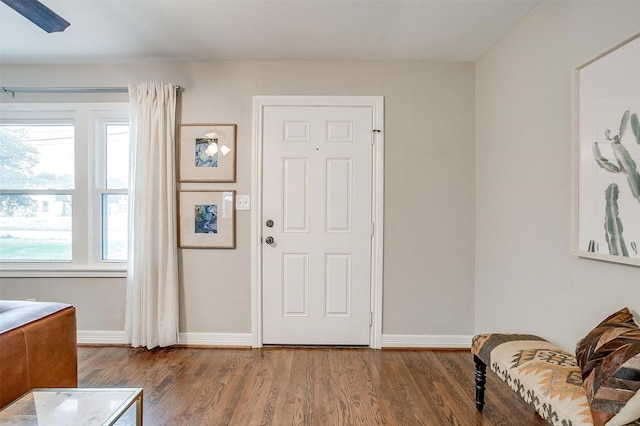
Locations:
{"points": [[117, 156], [35, 227], [114, 226], [36, 156]]}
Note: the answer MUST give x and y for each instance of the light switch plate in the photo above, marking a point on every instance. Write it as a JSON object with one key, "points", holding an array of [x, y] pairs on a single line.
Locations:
{"points": [[243, 202]]}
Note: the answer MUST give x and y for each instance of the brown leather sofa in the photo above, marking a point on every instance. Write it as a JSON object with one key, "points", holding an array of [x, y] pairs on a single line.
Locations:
{"points": [[38, 347]]}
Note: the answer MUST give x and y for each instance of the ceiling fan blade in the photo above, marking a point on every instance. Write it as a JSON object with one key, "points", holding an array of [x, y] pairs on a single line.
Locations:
{"points": [[39, 14]]}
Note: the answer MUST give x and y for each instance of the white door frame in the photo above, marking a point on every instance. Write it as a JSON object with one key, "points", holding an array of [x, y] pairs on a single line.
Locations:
{"points": [[377, 202]]}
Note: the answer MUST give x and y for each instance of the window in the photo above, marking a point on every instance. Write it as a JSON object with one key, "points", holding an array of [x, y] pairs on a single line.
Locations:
{"points": [[113, 184], [63, 187]]}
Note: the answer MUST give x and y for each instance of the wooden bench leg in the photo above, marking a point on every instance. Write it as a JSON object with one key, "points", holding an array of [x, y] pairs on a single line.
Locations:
{"points": [[481, 380]]}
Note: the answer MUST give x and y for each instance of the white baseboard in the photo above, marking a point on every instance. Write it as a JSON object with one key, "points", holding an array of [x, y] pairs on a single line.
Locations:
{"points": [[216, 339], [98, 337], [425, 341]]}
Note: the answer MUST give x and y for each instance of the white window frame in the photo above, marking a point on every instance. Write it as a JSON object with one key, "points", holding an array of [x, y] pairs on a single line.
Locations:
{"points": [[100, 119], [90, 162]]}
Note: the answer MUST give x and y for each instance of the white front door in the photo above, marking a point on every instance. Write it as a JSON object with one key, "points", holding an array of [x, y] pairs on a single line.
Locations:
{"points": [[316, 224]]}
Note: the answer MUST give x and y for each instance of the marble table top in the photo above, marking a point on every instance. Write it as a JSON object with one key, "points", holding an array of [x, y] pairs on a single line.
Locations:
{"points": [[73, 407]]}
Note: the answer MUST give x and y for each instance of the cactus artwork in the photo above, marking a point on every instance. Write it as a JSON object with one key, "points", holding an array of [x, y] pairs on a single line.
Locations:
{"points": [[622, 163], [606, 158], [613, 224]]}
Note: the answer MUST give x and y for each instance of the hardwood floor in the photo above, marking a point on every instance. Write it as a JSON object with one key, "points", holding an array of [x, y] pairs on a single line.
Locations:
{"points": [[303, 386]]}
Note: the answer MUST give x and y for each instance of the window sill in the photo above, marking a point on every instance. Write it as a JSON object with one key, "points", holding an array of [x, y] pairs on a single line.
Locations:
{"points": [[62, 273]]}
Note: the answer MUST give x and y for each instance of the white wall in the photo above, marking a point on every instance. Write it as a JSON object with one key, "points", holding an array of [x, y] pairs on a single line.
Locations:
{"points": [[99, 299], [526, 278], [429, 187]]}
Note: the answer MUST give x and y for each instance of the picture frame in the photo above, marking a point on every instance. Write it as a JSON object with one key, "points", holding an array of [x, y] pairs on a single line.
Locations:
{"points": [[207, 153], [606, 156], [206, 219]]}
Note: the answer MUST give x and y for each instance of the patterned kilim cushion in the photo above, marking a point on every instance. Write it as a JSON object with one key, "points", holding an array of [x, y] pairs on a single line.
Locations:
{"points": [[609, 357], [546, 377]]}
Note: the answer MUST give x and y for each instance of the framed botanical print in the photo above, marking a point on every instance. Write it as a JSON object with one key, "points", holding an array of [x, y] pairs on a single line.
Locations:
{"points": [[606, 219]]}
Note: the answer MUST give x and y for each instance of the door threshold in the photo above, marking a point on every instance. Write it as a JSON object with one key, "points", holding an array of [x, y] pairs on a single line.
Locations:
{"points": [[299, 346]]}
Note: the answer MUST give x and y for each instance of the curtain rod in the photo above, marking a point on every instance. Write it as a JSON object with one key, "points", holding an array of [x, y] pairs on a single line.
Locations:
{"points": [[14, 90]]}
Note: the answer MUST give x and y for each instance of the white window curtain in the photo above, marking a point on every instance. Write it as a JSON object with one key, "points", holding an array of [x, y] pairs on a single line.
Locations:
{"points": [[152, 275]]}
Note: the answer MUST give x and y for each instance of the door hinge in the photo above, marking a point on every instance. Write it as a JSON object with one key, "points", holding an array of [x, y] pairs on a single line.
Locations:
{"points": [[374, 131], [372, 229], [370, 318]]}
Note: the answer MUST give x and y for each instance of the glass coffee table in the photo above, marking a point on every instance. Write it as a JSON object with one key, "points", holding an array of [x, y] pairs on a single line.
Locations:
{"points": [[75, 407]]}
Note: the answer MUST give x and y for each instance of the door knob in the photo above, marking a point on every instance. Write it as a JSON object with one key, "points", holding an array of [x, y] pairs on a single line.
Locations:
{"points": [[269, 240], [269, 223]]}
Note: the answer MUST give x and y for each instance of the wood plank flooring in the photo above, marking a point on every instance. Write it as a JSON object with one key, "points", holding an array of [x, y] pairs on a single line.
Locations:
{"points": [[303, 386]]}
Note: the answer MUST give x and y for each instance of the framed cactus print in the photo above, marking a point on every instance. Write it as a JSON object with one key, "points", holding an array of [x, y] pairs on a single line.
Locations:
{"points": [[606, 164], [206, 219]]}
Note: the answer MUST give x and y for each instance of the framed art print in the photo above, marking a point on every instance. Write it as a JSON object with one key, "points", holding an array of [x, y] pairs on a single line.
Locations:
{"points": [[207, 153], [206, 219], [606, 219]]}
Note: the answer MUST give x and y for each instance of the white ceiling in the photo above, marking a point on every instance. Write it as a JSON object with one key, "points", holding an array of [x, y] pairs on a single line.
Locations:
{"points": [[135, 31]]}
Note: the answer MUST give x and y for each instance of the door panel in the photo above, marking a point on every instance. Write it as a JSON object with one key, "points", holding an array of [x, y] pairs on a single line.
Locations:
{"points": [[317, 171], [295, 284], [338, 284], [295, 194], [339, 190]]}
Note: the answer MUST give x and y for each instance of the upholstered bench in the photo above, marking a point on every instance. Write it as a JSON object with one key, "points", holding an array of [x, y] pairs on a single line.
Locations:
{"points": [[542, 374], [598, 386]]}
